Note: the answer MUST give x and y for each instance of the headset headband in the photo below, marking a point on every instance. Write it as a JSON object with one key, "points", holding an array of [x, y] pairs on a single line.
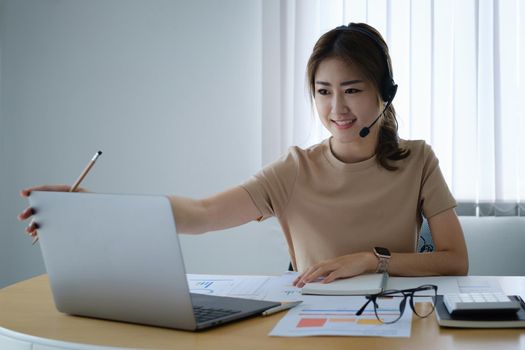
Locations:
{"points": [[388, 87]]}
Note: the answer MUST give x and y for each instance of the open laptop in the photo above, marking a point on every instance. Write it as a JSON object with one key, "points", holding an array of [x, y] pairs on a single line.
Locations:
{"points": [[118, 257]]}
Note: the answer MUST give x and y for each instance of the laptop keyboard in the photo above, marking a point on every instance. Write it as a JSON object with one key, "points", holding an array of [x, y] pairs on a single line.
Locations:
{"points": [[203, 314]]}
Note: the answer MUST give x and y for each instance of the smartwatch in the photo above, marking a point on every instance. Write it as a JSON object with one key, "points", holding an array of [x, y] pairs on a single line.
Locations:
{"points": [[383, 255]]}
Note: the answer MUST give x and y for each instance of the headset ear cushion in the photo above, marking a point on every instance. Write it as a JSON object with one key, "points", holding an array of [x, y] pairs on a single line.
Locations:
{"points": [[390, 91]]}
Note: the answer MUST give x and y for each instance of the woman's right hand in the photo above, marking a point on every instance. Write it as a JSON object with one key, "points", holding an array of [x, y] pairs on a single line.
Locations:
{"points": [[32, 227]]}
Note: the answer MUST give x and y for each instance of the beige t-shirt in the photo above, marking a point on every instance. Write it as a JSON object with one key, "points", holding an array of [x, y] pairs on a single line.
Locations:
{"points": [[328, 208]]}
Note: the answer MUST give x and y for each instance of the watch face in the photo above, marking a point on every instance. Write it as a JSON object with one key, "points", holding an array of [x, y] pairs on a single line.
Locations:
{"points": [[382, 251]]}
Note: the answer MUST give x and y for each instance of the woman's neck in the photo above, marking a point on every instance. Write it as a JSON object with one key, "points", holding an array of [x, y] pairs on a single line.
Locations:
{"points": [[353, 152]]}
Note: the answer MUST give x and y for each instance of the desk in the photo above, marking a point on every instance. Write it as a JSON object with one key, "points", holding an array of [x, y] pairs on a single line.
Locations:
{"points": [[27, 308]]}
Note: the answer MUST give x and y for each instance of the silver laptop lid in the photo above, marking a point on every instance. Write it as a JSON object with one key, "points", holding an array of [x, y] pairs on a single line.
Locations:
{"points": [[114, 256]]}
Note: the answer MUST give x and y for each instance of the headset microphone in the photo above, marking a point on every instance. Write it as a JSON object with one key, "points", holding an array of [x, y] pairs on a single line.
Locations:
{"points": [[366, 130]]}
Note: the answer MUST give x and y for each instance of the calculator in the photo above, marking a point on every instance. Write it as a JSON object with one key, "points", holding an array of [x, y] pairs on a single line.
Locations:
{"points": [[476, 303]]}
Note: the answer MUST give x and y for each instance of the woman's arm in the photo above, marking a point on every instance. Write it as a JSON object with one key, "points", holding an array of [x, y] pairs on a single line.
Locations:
{"points": [[230, 208], [449, 258]]}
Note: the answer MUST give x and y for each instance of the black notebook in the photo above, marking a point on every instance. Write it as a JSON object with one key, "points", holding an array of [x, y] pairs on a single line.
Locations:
{"points": [[480, 320]]}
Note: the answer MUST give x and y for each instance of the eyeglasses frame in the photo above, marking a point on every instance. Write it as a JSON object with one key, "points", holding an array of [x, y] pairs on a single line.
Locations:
{"points": [[406, 293]]}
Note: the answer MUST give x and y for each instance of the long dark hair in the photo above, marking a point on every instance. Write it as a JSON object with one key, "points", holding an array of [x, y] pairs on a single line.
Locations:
{"points": [[360, 50]]}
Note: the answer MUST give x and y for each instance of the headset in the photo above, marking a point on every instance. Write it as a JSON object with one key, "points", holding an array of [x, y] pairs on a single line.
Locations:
{"points": [[388, 87]]}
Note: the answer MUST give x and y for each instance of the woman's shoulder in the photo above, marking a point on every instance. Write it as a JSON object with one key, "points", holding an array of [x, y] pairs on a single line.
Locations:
{"points": [[296, 157], [421, 154], [417, 148], [308, 153]]}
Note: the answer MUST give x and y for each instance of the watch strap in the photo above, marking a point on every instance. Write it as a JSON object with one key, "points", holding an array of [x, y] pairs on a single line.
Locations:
{"points": [[382, 265], [383, 256]]}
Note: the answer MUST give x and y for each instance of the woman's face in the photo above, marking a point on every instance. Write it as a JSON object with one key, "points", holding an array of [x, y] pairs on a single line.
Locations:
{"points": [[346, 102]]}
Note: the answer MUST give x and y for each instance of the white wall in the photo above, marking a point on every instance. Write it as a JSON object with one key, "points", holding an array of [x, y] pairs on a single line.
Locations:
{"points": [[170, 91]]}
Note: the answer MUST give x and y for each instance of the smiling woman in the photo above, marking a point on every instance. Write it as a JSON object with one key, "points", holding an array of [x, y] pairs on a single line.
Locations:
{"points": [[354, 203], [368, 195], [355, 58]]}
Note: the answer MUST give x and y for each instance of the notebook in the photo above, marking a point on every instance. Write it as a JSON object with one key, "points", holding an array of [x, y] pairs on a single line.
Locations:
{"points": [[359, 285], [118, 257]]}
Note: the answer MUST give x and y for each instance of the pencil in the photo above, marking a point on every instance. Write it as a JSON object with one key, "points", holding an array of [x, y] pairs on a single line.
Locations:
{"points": [[85, 172], [284, 306], [79, 180]]}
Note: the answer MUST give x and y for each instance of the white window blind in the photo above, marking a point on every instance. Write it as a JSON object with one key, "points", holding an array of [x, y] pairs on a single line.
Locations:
{"points": [[461, 75]]}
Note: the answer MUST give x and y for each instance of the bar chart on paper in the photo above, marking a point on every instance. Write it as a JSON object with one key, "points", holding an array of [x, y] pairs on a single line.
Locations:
{"points": [[336, 316]]}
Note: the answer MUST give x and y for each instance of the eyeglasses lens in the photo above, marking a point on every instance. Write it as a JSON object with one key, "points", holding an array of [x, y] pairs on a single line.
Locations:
{"points": [[423, 294], [390, 309]]}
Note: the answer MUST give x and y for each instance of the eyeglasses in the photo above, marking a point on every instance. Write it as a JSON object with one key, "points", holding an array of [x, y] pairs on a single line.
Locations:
{"points": [[386, 309]]}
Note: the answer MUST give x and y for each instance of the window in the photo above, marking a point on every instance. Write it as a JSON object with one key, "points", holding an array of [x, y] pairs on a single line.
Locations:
{"points": [[461, 75]]}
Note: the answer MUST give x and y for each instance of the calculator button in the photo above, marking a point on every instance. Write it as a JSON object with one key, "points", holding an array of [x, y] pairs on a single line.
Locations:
{"points": [[476, 302]]}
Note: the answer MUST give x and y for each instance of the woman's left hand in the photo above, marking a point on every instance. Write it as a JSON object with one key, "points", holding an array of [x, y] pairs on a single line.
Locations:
{"points": [[340, 267]]}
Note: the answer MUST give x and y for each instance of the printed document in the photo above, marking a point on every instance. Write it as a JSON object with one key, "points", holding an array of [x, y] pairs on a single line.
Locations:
{"points": [[335, 315]]}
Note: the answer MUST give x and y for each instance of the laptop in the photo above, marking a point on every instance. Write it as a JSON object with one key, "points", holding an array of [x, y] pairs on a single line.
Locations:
{"points": [[118, 257]]}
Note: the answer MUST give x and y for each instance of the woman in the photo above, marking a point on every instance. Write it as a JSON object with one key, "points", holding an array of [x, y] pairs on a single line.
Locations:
{"points": [[354, 203]]}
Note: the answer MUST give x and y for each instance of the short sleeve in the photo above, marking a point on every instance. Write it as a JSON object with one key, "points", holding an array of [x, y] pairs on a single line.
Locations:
{"points": [[271, 188], [435, 194]]}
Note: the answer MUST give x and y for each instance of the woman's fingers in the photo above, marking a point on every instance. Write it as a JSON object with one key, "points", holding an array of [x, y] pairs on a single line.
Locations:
{"points": [[55, 188], [27, 213], [299, 281], [336, 274], [320, 271], [26, 192], [313, 273], [31, 228], [333, 269]]}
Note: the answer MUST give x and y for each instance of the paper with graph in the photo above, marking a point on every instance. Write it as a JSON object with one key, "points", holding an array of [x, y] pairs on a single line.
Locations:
{"points": [[227, 285], [317, 315], [336, 316], [273, 288]]}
